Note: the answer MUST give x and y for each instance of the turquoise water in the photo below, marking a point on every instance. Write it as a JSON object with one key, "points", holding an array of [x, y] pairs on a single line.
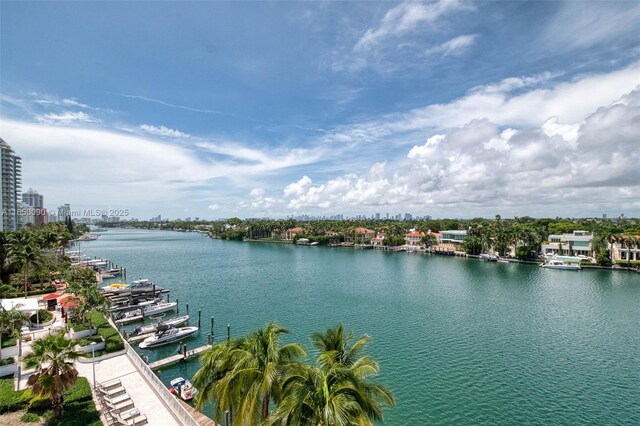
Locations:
{"points": [[459, 341]]}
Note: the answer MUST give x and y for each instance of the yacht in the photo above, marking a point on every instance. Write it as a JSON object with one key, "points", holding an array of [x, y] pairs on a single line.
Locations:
{"points": [[183, 388], [561, 264], [152, 328], [166, 335]]}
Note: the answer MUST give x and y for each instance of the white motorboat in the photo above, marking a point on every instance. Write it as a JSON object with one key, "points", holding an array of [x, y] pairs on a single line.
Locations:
{"points": [[183, 388], [152, 328], [166, 335], [561, 264], [150, 310]]}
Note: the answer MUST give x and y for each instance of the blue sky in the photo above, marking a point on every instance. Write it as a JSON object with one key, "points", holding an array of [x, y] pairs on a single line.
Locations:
{"points": [[218, 109]]}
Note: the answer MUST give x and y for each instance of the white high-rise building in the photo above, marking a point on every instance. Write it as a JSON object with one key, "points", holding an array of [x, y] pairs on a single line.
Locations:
{"points": [[10, 182]]}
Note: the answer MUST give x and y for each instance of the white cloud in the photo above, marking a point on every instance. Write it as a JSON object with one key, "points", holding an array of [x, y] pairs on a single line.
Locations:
{"points": [[577, 25], [259, 201], [47, 99], [407, 17], [163, 131], [66, 117], [478, 168], [214, 207], [506, 103], [454, 46]]}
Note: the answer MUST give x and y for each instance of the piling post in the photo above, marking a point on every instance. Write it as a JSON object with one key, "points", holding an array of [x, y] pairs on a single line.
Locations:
{"points": [[167, 297], [199, 316], [177, 306], [228, 332], [184, 351], [212, 330], [187, 309]]}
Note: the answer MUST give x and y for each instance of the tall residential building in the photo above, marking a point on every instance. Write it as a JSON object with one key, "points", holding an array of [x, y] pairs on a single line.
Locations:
{"points": [[32, 198], [10, 182], [64, 212], [33, 208]]}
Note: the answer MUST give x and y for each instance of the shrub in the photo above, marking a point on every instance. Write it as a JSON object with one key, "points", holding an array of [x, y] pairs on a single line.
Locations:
{"points": [[6, 361], [39, 405], [11, 400], [88, 340], [30, 418], [10, 341], [112, 339], [43, 315]]}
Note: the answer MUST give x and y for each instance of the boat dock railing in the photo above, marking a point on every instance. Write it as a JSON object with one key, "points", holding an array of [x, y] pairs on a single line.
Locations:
{"points": [[180, 412]]}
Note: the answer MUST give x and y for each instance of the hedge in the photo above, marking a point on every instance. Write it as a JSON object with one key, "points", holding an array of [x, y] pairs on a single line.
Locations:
{"points": [[11, 400], [43, 315], [112, 339], [6, 361]]}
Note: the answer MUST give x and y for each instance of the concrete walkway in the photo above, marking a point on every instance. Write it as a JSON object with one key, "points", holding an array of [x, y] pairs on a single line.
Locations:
{"points": [[142, 394]]}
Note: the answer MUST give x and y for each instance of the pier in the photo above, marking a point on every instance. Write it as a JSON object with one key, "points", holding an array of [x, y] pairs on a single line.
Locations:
{"points": [[183, 356]]}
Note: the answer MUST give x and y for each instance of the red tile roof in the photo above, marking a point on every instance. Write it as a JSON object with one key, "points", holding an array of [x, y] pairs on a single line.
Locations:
{"points": [[415, 234], [364, 231], [51, 296]]}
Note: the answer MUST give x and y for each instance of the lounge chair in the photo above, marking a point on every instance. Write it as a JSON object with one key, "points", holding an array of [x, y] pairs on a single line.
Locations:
{"points": [[111, 392], [116, 399], [140, 419], [118, 407], [109, 384]]}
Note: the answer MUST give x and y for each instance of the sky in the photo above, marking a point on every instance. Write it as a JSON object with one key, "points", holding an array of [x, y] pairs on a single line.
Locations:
{"points": [[269, 109]]}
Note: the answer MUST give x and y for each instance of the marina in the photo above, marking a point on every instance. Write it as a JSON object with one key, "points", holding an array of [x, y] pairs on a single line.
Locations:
{"points": [[438, 310]]}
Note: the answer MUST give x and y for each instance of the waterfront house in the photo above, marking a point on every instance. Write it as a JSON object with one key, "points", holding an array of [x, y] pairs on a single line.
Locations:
{"points": [[378, 240], [291, 233], [626, 249], [577, 243], [414, 238], [363, 235]]}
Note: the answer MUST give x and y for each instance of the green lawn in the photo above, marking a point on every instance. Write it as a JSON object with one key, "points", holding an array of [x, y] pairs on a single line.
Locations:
{"points": [[79, 409], [112, 339]]}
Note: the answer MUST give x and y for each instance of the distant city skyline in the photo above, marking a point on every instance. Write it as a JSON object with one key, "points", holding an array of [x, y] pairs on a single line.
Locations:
{"points": [[221, 109]]}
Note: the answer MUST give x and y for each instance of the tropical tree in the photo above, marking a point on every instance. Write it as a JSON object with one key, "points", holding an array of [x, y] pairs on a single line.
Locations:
{"points": [[53, 358], [245, 375], [10, 322], [24, 252], [336, 390], [91, 299]]}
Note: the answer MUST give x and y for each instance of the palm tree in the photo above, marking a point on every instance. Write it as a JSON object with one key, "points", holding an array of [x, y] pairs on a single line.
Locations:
{"points": [[53, 357], [91, 299], [10, 322], [335, 391], [245, 375], [24, 252]]}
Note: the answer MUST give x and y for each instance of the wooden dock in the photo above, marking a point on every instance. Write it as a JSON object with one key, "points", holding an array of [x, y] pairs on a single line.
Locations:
{"points": [[178, 357], [197, 415]]}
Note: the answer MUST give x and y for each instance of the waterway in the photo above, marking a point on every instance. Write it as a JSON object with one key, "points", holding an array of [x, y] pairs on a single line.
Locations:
{"points": [[459, 341]]}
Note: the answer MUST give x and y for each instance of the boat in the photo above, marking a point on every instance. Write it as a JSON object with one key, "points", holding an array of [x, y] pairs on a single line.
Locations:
{"points": [[183, 388], [488, 257], [152, 310], [166, 335], [561, 264], [115, 287], [152, 328], [129, 316], [156, 316]]}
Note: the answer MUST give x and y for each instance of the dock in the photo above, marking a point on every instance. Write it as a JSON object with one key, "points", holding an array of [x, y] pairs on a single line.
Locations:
{"points": [[200, 418], [178, 357]]}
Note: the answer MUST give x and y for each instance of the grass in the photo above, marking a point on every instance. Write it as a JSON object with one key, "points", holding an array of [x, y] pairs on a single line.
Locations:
{"points": [[79, 409], [112, 339], [10, 341], [6, 361], [11, 400]]}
